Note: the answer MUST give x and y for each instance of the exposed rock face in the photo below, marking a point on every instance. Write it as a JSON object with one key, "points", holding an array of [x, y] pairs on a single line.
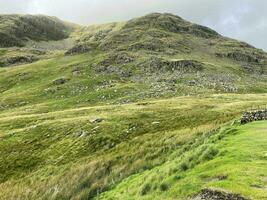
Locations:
{"points": [[254, 116], [208, 194], [239, 56], [21, 59], [79, 48], [184, 65], [115, 63], [125, 73], [157, 64], [18, 60], [117, 59]]}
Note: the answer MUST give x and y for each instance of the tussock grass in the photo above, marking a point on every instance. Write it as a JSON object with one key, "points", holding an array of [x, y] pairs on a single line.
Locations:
{"points": [[48, 150], [239, 150]]}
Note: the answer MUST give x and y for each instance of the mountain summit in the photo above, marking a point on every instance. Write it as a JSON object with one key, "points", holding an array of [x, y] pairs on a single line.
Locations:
{"points": [[170, 23]]}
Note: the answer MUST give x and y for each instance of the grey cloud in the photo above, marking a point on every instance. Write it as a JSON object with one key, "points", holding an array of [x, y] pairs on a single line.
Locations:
{"points": [[14, 6], [241, 19]]}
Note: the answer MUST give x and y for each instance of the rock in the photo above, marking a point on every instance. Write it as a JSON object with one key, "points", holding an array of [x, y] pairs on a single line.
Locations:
{"points": [[97, 120], [208, 194], [192, 82], [84, 133], [119, 58], [60, 81], [95, 128], [80, 48], [184, 66], [76, 72], [19, 60], [153, 44], [241, 56], [155, 123], [126, 74], [254, 116]]}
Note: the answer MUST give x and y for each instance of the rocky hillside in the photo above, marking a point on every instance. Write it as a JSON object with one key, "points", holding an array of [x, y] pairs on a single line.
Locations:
{"points": [[165, 47], [16, 30]]}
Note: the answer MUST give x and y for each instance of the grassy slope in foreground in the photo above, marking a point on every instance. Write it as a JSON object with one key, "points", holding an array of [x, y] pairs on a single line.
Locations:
{"points": [[62, 155], [233, 159]]}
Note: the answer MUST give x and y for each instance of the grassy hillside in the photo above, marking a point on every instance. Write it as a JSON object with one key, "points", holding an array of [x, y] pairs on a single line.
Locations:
{"points": [[233, 159], [132, 110], [28, 38], [86, 156]]}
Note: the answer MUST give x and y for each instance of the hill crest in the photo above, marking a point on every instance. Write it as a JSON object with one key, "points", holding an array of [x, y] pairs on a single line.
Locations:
{"points": [[16, 30]]}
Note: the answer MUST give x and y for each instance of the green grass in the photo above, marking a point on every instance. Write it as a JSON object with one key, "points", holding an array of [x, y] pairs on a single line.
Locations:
{"points": [[65, 145], [232, 159]]}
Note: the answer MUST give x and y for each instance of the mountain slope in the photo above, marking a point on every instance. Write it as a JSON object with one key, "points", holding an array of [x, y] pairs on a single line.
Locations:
{"points": [[117, 101], [170, 46], [16, 30]]}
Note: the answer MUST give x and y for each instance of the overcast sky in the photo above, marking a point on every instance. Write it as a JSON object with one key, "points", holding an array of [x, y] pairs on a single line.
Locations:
{"points": [[241, 19]]}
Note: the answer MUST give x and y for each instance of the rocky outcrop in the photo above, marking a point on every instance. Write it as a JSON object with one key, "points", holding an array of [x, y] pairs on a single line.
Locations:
{"points": [[208, 194], [240, 56], [108, 70], [119, 58], [114, 63], [21, 59], [185, 66], [59, 81], [154, 44], [15, 60], [254, 116], [77, 49]]}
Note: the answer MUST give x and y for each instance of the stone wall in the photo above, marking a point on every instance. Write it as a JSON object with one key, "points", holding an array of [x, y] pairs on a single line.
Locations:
{"points": [[254, 116]]}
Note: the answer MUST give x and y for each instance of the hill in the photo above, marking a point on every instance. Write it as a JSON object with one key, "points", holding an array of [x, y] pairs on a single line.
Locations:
{"points": [[163, 48], [16, 30], [141, 109], [32, 37]]}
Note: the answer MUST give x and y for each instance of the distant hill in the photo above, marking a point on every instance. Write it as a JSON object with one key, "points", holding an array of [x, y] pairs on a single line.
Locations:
{"points": [[15, 30], [166, 35]]}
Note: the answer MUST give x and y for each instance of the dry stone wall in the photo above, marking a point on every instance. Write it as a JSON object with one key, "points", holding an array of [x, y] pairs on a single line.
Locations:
{"points": [[254, 116]]}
